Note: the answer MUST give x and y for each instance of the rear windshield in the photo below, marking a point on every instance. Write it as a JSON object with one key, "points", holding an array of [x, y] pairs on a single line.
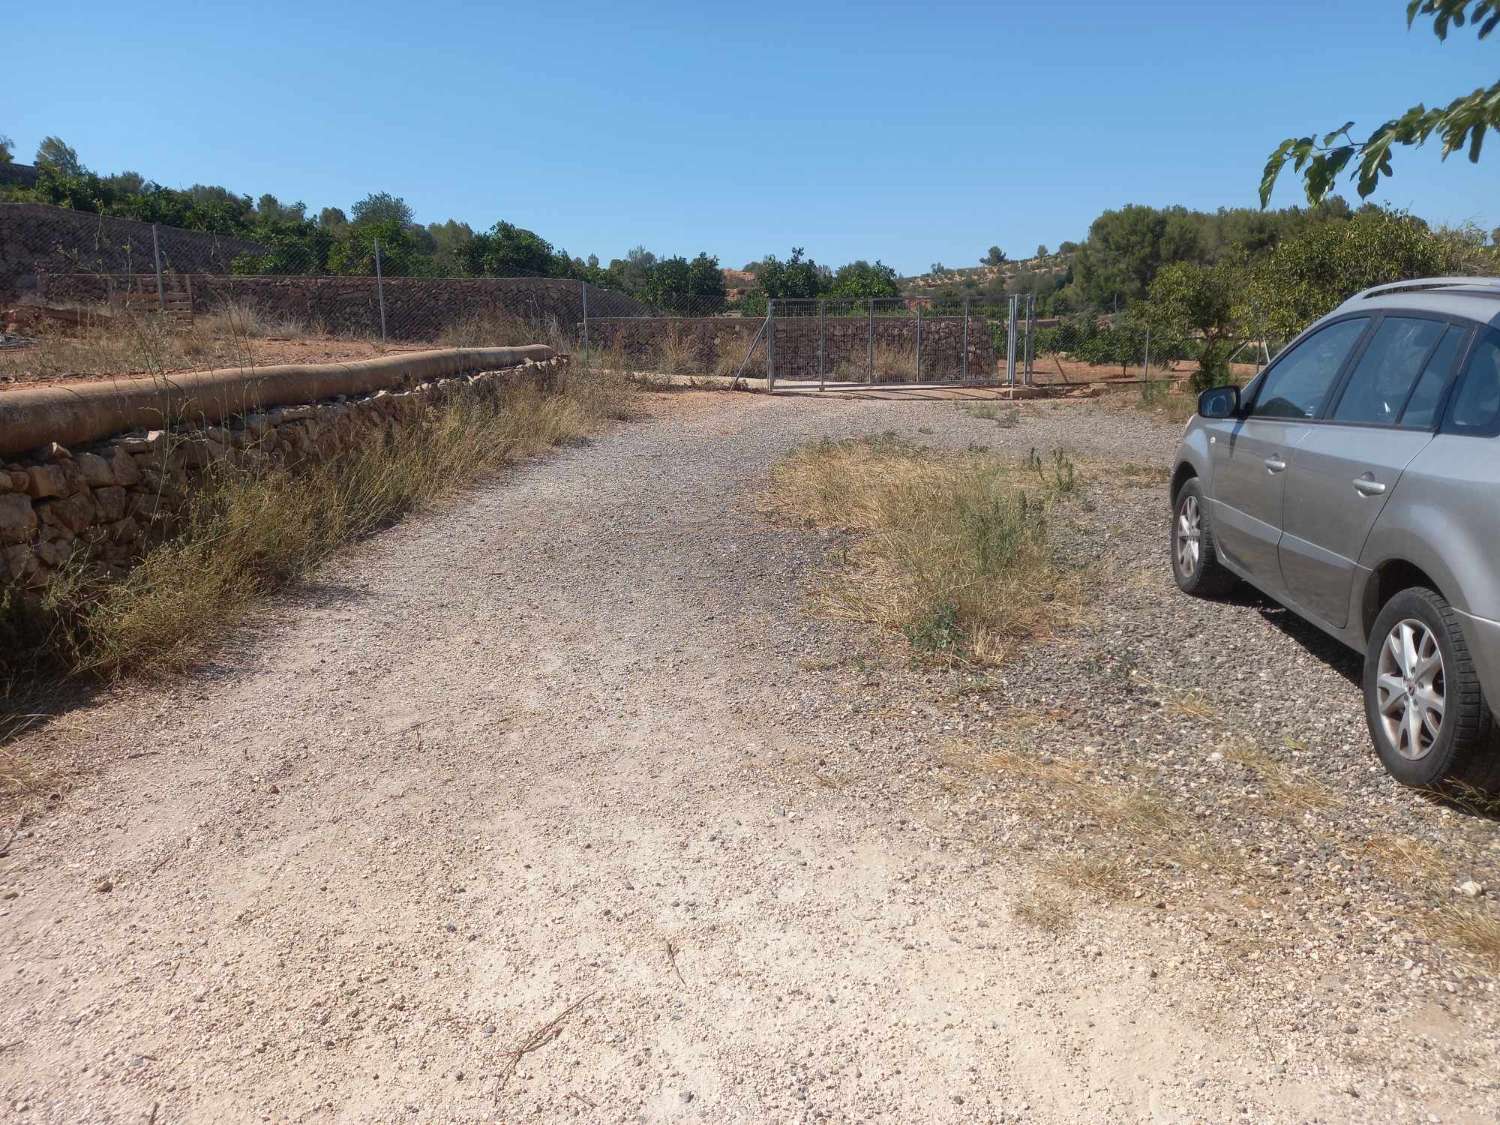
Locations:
{"points": [[1476, 406]]}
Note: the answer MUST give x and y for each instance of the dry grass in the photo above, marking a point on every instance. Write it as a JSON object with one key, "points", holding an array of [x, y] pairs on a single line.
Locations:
{"points": [[241, 319], [1169, 401], [249, 532], [1121, 818], [1472, 929], [1047, 909], [1407, 860], [1104, 877], [952, 549], [124, 343], [676, 355], [492, 328], [1281, 787]]}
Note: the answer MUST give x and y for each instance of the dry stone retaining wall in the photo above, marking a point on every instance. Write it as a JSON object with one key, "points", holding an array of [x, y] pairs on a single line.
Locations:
{"points": [[106, 502]]}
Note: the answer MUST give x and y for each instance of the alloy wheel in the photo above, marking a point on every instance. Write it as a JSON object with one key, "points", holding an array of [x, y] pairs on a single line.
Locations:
{"points": [[1410, 689], [1189, 536]]}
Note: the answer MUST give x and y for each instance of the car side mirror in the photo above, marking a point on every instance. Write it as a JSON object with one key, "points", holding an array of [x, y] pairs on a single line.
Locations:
{"points": [[1219, 402]]}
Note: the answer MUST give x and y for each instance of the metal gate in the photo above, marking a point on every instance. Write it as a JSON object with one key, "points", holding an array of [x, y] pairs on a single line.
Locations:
{"points": [[844, 342]]}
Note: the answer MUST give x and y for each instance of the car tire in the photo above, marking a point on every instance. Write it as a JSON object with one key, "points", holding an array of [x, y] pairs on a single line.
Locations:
{"points": [[1195, 561], [1403, 689]]}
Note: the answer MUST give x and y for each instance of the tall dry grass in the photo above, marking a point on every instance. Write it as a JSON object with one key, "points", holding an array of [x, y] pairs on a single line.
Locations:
{"points": [[676, 354], [493, 328], [249, 532], [122, 343], [950, 549]]}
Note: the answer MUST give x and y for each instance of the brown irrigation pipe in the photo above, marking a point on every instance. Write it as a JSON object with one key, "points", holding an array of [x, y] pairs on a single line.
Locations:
{"points": [[85, 412]]}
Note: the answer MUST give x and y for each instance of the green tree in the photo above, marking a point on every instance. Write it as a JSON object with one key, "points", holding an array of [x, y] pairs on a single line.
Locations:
{"points": [[686, 288], [994, 256], [797, 277], [506, 250], [58, 157], [354, 251], [381, 206], [1041, 250], [1126, 247], [1307, 276], [864, 279], [1462, 123], [1206, 301], [7, 149]]}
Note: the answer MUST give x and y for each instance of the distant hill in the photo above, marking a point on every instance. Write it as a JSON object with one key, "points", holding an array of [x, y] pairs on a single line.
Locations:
{"points": [[985, 275]]}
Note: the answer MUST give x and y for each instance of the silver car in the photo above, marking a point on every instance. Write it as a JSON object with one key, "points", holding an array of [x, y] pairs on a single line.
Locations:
{"points": [[1356, 481]]}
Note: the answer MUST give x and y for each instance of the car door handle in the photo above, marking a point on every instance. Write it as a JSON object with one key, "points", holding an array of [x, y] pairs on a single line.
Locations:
{"points": [[1368, 486], [1275, 464]]}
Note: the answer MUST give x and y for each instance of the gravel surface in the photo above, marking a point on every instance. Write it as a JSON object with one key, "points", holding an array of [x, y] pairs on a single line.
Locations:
{"points": [[557, 804]]}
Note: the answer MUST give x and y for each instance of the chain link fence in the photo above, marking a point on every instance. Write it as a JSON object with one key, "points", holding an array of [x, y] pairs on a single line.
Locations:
{"points": [[95, 295]]}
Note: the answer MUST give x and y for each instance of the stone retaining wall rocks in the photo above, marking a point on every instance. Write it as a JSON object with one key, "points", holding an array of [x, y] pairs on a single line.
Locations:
{"points": [[107, 501]]}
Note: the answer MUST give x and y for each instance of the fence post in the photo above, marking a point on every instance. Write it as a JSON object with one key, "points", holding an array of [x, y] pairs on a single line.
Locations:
{"points": [[822, 343], [584, 285], [1010, 341], [870, 347], [1030, 338], [771, 344], [161, 291], [964, 368], [380, 290], [1146, 363], [919, 340]]}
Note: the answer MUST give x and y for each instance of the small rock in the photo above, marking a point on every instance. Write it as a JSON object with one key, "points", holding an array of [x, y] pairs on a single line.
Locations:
{"points": [[1470, 889], [103, 884]]}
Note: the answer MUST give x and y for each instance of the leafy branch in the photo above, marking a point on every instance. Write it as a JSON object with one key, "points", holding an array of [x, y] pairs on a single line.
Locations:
{"points": [[1461, 124]]}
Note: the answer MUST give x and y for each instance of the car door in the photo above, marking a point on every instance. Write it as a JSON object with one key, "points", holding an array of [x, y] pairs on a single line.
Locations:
{"points": [[1250, 454], [1343, 471]]}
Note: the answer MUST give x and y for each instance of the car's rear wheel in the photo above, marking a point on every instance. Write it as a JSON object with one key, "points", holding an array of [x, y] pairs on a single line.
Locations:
{"points": [[1426, 711], [1195, 562]]}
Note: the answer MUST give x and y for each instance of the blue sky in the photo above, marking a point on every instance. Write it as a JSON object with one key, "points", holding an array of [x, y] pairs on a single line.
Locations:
{"points": [[912, 132]]}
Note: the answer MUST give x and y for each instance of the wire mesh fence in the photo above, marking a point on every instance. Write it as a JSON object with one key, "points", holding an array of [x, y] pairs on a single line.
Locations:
{"points": [[188, 298]]}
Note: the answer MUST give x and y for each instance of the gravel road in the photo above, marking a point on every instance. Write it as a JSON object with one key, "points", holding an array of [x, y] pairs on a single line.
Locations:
{"points": [[557, 804]]}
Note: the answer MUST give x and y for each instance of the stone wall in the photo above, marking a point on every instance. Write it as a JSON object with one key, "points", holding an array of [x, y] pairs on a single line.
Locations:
{"points": [[416, 308], [106, 502], [845, 345]]}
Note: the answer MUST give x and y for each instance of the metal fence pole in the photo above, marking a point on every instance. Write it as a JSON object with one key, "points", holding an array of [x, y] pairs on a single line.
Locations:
{"points": [[771, 344], [1030, 338], [822, 343], [1010, 342], [964, 367], [870, 347], [161, 290], [1146, 363], [380, 290], [584, 286], [919, 341]]}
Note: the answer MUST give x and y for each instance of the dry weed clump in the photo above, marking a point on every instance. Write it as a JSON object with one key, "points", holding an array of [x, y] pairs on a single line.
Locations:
{"points": [[951, 549], [493, 328], [676, 354]]}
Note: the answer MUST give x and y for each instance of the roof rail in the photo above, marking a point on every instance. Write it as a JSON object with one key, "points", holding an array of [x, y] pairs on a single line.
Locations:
{"points": [[1417, 284]]}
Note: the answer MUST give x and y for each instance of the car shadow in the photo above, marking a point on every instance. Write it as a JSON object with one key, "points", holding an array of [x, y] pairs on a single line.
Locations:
{"points": [[1338, 656]]}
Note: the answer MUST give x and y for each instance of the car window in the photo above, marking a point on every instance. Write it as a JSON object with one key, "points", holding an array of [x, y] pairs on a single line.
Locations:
{"points": [[1421, 408], [1383, 377], [1477, 405], [1297, 384]]}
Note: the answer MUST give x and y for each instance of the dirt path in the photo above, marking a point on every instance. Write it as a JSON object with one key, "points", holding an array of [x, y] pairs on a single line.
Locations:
{"points": [[548, 771]]}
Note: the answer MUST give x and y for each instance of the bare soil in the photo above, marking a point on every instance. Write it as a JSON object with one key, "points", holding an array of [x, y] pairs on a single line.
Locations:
{"points": [[558, 804]]}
